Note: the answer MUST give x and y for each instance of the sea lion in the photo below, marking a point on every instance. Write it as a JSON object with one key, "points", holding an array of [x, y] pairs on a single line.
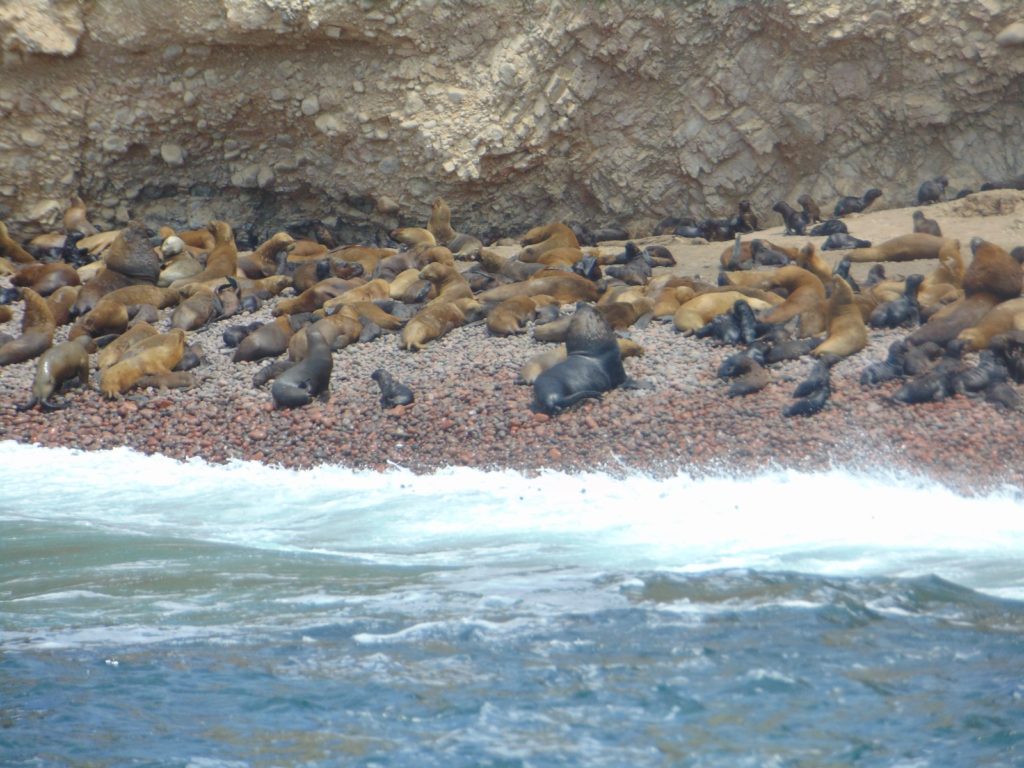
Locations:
{"points": [[56, 367], [811, 211], [932, 191], [511, 316], [435, 320], [805, 295], [813, 392], [593, 364], [902, 248], [540, 240], [809, 258], [317, 295], [413, 236], [392, 391], [222, 261], [795, 222], [539, 363], [375, 290], [37, 329], [702, 308], [270, 339], [153, 355], [76, 217], [310, 378], [118, 347], [844, 241], [993, 270], [902, 311], [44, 279], [947, 322], [9, 249], [108, 316], [268, 258], [449, 284], [566, 287], [829, 227], [199, 309], [179, 267], [848, 205], [514, 269], [847, 334], [131, 254], [1003, 317], [440, 224], [924, 225]]}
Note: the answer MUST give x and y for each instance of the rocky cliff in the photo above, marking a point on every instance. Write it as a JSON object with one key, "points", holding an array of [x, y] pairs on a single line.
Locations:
{"points": [[267, 111]]}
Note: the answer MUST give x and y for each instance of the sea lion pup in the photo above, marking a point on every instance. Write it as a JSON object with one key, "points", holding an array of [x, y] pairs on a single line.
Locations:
{"points": [[924, 225], [901, 248], [795, 222], [412, 236], [932, 191], [847, 334], [829, 227], [270, 339], [37, 329], [392, 391], [310, 378], [268, 258], [222, 261], [811, 211], [1003, 317], [805, 296], [844, 241], [698, 311], [565, 287], [619, 315], [151, 356], [902, 311], [888, 369], [435, 320], [512, 315], [746, 219], [740, 255], [450, 285], [233, 334], [813, 392], [44, 279], [993, 270], [76, 217], [848, 205], [9, 249], [540, 240], [57, 366], [593, 364], [809, 258], [764, 255]]}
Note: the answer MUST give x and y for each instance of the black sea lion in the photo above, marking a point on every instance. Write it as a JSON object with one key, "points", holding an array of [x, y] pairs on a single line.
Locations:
{"points": [[932, 191], [593, 364], [392, 391], [848, 205], [925, 225], [311, 378]]}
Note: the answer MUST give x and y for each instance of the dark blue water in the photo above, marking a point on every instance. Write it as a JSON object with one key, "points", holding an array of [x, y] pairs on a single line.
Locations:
{"points": [[189, 615]]}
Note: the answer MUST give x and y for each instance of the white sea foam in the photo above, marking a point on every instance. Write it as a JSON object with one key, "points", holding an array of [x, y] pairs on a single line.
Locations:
{"points": [[834, 523]]}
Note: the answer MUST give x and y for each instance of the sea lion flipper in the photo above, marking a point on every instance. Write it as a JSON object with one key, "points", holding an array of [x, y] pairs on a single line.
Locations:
{"points": [[26, 406], [631, 383]]}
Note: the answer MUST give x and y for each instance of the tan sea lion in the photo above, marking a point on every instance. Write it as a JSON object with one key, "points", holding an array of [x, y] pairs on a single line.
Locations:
{"points": [[365, 256], [701, 309], [199, 309], [317, 295], [105, 318], [264, 261], [338, 330], [1003, 317], [44, 279], [56, 367], [810, 259], [76, 218], [805, 295], [510, 316], [847, 333], [440, 224], [180, 267], [375, 290], [540, 240], [413, 236], [9, 249], [566, 287], [448, 282], [902, 248], [37, 329], [199, 239], [144, 293], [435, 320], [514, 269], [153, 355], [222, 261], [116, 349]]}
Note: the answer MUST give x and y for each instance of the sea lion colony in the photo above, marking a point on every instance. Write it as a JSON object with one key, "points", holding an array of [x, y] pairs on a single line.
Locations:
{"points": [[773, 301]]}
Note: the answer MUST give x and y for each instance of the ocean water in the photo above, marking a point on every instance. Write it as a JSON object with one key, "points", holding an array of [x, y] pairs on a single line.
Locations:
{"points": [[163, 613]]}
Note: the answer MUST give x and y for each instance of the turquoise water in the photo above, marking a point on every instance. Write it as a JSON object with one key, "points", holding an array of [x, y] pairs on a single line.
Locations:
{"points": [[162, 613]]}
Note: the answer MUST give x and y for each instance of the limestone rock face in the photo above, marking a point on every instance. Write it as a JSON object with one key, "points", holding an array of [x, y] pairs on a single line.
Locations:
{"points": [[268, 111]]}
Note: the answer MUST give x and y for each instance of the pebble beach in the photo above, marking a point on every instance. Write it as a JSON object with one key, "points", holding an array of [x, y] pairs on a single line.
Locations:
{"points": [[469, 410]]}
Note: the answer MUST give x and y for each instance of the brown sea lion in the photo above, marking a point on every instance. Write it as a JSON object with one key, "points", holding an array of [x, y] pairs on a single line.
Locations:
{"points": [[144, 293], [37, 329], [9, 249], [44, 279], [440, 224], [199, 239], [902, 248], [108, 316], [317, 295], [367, 257], [810, 259], [948, 321], [924, 225], [812, 213], [375, 290], [540, 240], [993, 270], [1003, 317], [132, 256], [413, 236], [266, 260], [511, 316], [847, 333], [435, 320], [57, 366], [338, 330], [514, 269], [699, 310], [269, 340], [153, 355], [199, 309], [117, 349], [805, 295]]}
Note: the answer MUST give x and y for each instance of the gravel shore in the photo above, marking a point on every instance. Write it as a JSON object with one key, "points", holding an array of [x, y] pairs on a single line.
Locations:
{"points": [[470, 411]]}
